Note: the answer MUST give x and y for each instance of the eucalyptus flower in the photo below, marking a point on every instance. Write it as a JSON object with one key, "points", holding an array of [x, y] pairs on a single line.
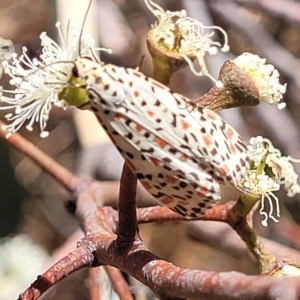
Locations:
{"points": [[38, 82], [176, 34], [268, 171], [265, 76]]}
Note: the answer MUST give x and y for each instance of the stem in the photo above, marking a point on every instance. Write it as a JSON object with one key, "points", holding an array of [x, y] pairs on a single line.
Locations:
{"points": [[266, 260], [238, 220], [242, 207], [127, 228]]}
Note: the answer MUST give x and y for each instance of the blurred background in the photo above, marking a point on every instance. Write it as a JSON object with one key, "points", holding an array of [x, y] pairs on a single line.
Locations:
{"points": [[31, 201]]}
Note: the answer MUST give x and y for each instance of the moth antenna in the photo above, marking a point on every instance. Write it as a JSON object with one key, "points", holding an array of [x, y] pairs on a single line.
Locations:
{"points": [[96, 59], [83, 23], [54, 63], [45, 66]]}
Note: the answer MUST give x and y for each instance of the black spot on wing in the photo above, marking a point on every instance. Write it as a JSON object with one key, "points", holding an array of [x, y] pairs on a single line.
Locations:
{"points": [[130, 155], [159, 195], [157, 103], [140, 175]]}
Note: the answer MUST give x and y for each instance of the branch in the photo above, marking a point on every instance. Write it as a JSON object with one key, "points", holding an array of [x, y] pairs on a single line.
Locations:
{"points": [[99, 247], [81, 257], [94, 284], [61, 174], [127, 227], [119, 283]]}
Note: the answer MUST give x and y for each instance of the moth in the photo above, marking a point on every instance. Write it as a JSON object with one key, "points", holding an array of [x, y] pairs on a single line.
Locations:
{"points": [[180, 152]]}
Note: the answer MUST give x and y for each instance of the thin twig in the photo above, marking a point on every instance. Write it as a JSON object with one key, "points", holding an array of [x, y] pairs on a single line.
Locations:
{"points": [[119, 283], [81, 257], [94, 284], [61, 174]]}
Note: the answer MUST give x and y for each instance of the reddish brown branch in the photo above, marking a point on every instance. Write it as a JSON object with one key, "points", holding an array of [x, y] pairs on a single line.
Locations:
{"points": [[127, 227], [92, 218], [166, 280], [81, 257], [61, 174], [171, 282], [119, 283], [94, 284], [157, 214], [162, 214], [117, 280]]}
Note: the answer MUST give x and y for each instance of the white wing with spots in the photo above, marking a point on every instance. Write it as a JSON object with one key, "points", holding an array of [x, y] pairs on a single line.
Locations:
{"points": [[179, 152]]}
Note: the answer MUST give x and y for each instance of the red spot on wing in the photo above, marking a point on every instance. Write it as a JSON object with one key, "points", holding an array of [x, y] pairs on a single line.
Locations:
{"points": [[117, 116], [137, 74], [136, 94], [150, 113], [232, 149], [183, 158], [157, 84], [170, 179], [229, 133], [138, 128], [166, 200], [224, 170], [202, 192], [207, 140], [147, 185], [182, 202], [160, 142], [155, 161], [211, 115], [185, 125]]}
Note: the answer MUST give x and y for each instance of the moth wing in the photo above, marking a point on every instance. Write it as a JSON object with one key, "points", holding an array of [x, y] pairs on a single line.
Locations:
{"points": [[175, 183], [194, 131]]}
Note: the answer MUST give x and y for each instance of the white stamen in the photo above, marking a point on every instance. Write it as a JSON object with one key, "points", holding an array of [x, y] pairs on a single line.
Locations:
{"points": [[195, 39], [265, 76], [38, 82], [269, 171]]}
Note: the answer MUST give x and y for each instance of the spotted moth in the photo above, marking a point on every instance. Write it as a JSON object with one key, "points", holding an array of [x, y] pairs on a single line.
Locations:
{"points": [[180, 152]]}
